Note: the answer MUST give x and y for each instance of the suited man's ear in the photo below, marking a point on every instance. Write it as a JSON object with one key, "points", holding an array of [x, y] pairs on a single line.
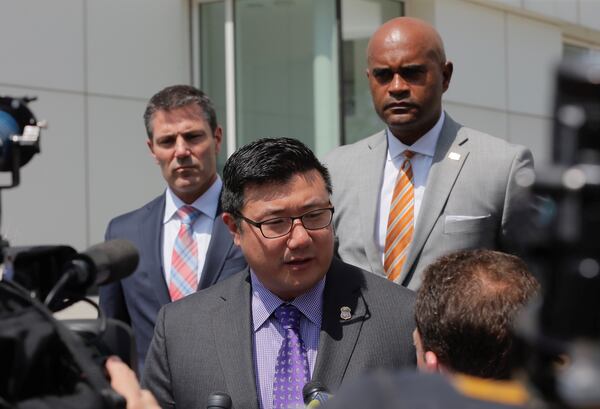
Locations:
{"points": [[427, 361], [232, 226], [447, 70]]}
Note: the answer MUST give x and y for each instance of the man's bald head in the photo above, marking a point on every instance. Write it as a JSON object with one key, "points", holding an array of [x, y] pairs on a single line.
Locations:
{"points": [[405, 30], [408, 73]]}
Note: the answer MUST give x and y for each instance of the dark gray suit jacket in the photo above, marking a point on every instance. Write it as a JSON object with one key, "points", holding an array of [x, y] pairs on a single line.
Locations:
{"points": [[137, 298], [203, 343], [471, 198]]}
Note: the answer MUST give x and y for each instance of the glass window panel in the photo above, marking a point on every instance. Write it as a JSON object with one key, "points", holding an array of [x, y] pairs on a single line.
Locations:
{"points": [[212, 63], [286, 71], [360, 19], [574, 50]]}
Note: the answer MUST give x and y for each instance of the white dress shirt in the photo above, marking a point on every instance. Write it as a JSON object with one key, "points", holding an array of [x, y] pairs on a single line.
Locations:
{"points": [[424, 148], [207, 204]]}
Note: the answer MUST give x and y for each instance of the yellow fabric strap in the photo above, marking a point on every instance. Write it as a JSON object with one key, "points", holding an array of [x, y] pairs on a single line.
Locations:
{"points": [[506, 392]]}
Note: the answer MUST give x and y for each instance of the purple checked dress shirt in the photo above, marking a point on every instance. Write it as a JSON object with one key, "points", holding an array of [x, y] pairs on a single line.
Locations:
{"points": [[268, 334]]}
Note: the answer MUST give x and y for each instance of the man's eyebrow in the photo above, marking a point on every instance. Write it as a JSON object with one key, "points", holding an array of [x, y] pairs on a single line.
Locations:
{"points": [[165, 136], [403, 69], [413, 67]]}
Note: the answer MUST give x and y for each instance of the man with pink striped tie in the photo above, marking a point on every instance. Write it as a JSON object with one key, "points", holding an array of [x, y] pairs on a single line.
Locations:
{"points": [[183, 243]]}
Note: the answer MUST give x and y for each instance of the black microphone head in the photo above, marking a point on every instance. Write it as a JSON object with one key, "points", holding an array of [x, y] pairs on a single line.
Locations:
{"points": [[113, 259], [218, 400], [311, 389]]}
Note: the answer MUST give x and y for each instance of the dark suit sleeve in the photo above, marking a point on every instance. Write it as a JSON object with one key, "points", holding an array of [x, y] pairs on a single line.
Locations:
{"points": [[518, 203], [157, 374], [112, 298]]}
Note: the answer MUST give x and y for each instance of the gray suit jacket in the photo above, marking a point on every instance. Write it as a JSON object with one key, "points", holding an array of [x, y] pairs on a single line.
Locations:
{"points": [[203, 343], [136, 299], [479, 186]]}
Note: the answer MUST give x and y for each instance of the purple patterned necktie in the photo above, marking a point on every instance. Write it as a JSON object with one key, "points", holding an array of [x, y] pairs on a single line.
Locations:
{"points": [[291, 372], [184, 262]]}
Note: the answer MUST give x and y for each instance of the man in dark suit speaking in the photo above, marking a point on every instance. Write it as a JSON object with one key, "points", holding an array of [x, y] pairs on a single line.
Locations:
{"points": [[180, 236], [296, 314]]}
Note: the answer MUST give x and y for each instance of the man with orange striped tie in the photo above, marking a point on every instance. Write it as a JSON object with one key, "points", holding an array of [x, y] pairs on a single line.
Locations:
{"points": [[425, 185]]}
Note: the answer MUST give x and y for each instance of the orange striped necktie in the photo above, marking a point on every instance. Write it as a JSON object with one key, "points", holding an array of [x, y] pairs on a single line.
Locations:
{"points": [[400, 226]]}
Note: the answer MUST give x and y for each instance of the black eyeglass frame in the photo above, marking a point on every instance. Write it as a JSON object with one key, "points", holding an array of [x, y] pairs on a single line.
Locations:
{"points": [[292, 218]]}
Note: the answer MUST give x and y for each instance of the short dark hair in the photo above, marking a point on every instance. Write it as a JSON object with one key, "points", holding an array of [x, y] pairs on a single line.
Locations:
{"points": [[465, 308], [178, 96], [265, 161]]}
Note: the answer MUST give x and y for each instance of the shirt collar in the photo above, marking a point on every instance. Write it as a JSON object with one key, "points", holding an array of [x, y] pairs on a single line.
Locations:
{"points": [[207, 203], [264, 302], [425, 145]]}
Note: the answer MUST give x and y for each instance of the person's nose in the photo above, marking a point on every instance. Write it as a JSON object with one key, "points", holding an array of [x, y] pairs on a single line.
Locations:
{"points": [[181, 147], [299, 236], [398, 84]]}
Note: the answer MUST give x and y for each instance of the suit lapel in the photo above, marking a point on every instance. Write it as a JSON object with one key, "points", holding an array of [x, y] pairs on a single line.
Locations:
{"points": [[218, 248], [338, 337], [233, 334], [151, 234], [441, 179], [369, 196]]}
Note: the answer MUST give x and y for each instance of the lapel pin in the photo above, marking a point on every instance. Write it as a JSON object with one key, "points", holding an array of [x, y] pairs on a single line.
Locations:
{"points": [[345, 313], [454, 156]]}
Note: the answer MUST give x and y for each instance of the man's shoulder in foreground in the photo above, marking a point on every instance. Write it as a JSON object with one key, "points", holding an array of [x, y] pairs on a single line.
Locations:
{"points": [[409, 389], [390, 307]]}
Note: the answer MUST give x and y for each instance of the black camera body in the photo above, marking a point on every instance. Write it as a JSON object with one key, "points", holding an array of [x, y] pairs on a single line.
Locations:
{"points": [[44, 362]]}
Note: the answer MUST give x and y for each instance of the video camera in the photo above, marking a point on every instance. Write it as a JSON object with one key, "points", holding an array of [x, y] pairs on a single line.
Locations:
{"points": [[48, 363], [564, 248]]}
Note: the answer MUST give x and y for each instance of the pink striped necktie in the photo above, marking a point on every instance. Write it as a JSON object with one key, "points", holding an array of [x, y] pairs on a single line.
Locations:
{"points": [[400, 226], [184, 261]]}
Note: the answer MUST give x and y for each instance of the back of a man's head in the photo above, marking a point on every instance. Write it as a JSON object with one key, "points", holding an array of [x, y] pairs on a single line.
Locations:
{"points": [[465, 308]]}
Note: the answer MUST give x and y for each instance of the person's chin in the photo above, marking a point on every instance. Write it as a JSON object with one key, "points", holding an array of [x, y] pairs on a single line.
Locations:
{"points": [[401, 119]]}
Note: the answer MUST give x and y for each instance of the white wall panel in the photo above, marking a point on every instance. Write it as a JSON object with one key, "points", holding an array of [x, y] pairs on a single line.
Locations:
{"points": [[560, 9], [491, 121], [545, 7], [136, 47], [567, 10], [42, 43], [589, 13], [513, 3], [533, 132], [49, 206], [123, 175], [474, 40], [533, 50]]}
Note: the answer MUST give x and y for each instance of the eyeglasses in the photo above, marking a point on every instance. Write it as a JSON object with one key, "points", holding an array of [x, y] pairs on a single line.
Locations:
{"points": [[280, 226]]}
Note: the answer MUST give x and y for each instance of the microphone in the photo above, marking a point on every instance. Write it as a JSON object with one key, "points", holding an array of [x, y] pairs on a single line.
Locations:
{"points": [[113, 259], [315, 394], [218, 400], [104, 263]]}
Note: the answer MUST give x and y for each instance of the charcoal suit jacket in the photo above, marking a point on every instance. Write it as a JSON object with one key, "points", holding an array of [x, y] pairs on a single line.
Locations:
{"points": [[204, 343]]}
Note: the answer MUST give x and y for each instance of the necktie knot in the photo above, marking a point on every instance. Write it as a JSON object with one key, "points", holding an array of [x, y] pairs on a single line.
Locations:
{"points": [[188, 214], [288, 316], [408, 155]]}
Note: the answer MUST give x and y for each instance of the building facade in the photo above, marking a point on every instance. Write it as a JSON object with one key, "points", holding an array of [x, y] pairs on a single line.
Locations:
{"points": [[273, 67]]}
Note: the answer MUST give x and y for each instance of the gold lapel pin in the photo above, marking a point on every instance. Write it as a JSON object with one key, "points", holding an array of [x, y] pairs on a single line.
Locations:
{"points": [[345, 313]]}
